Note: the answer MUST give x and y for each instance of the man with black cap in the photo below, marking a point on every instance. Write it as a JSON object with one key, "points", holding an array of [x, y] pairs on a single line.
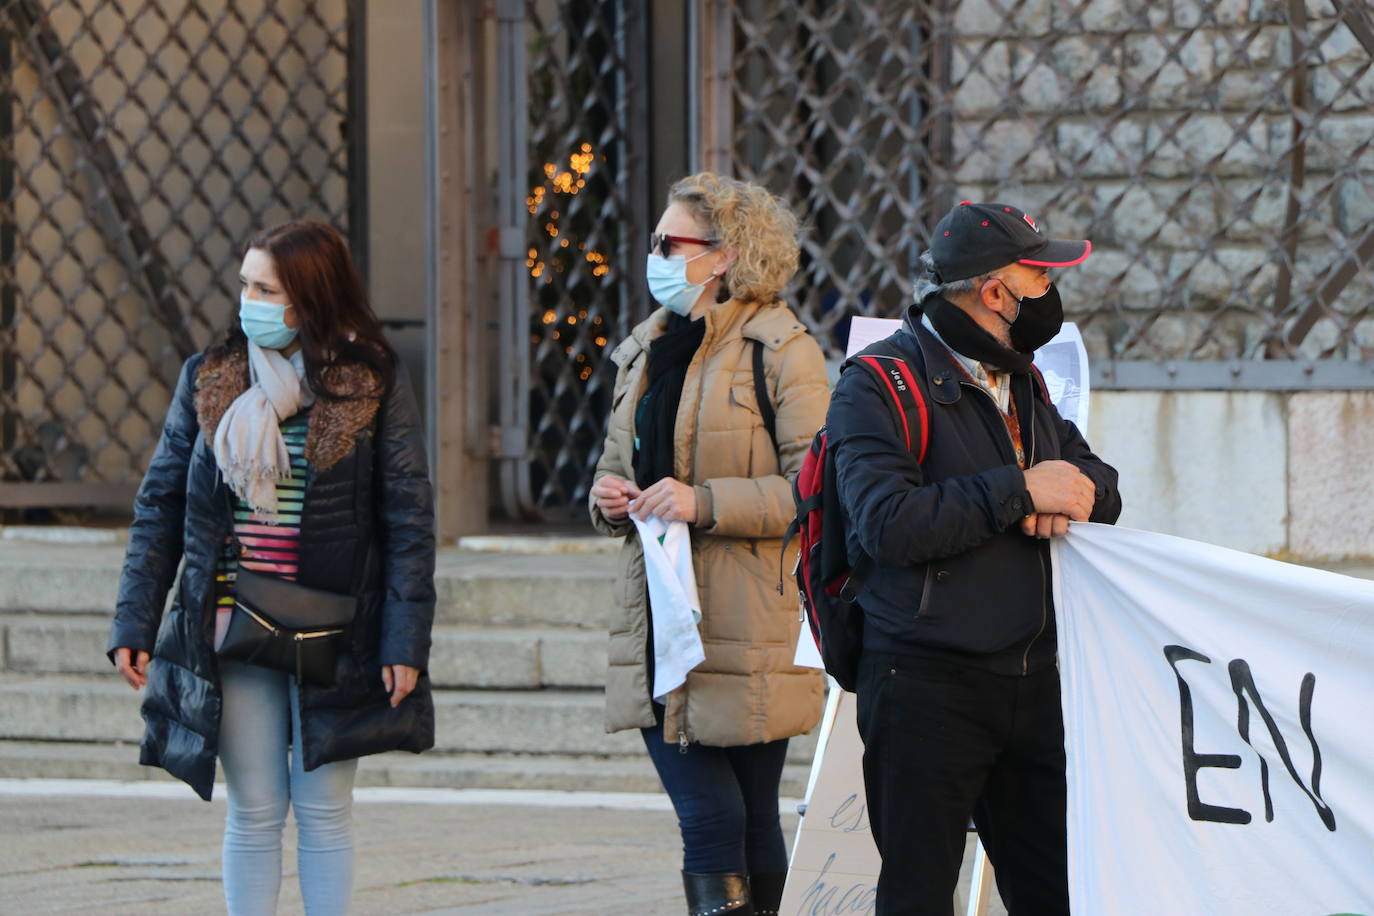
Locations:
{"points": [[958, 689]]}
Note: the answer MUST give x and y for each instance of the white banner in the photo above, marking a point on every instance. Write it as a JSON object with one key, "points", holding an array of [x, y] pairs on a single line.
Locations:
{"points": [[1219, 722]]}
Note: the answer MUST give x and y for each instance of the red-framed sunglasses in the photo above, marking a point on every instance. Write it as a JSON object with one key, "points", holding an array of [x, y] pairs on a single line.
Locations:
{"points": [[665, 243]]}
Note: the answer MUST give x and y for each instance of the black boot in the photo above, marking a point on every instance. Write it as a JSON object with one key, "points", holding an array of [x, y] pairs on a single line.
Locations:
{"points": [[766, 891], [716, 895]]}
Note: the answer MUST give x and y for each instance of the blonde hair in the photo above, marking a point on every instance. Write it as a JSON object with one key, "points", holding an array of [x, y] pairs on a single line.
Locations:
{"points": [[757, 225]]}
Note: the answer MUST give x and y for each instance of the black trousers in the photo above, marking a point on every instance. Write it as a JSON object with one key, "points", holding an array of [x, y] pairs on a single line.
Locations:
{"points": [[726, 799], [943, 742]]}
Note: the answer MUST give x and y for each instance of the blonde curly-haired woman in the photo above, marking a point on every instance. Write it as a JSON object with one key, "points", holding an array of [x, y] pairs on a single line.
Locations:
{"points": [[690, 440]]}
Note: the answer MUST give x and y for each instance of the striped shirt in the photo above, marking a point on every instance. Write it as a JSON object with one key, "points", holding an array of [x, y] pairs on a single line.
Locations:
{"points": [[273, 549]]}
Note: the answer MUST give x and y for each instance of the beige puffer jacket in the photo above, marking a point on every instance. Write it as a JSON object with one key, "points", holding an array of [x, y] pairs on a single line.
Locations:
{"points": [[747, 690]]}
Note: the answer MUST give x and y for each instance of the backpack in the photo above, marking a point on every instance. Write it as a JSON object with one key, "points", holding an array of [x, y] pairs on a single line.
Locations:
{"points": [[826, 582]]}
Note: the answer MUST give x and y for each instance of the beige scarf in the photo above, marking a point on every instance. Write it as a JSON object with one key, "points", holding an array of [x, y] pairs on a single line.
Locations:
{"points": [[249, 447]]}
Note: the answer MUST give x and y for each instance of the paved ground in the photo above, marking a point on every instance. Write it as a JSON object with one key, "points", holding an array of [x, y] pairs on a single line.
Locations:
{"points": [[158, 854], [66, 852], [161, 856]]}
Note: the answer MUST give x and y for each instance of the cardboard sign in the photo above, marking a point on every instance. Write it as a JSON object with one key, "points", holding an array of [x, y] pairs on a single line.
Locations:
{"points": [[834, 863]]}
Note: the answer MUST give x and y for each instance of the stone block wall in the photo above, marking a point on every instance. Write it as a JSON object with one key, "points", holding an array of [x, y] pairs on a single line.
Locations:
{"points": [[1263, 472], [1331, 474], [1163, 131], [216, 125]]}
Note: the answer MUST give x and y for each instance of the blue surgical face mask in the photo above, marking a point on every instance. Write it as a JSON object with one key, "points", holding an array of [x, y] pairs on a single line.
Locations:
{"points": [[668, 282], [265, 323]]}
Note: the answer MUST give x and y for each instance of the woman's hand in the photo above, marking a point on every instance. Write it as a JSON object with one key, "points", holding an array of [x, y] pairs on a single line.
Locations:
{"points": [[669, 499], [133, 667], [399, 681], [613, 497]]}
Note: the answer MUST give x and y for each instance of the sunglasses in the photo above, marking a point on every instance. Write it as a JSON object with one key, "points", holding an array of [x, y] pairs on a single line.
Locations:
{"points": [[665, 243]]}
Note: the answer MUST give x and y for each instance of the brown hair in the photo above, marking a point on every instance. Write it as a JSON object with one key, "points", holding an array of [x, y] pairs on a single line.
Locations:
{"points": [[318, 277]]}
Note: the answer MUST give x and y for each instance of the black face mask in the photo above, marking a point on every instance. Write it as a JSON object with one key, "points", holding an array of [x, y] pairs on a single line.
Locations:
{"points": [[965, 336], [1037, 321]]}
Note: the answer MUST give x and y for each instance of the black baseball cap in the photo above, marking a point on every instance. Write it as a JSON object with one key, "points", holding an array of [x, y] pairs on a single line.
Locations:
{"points": [[973, 239]]}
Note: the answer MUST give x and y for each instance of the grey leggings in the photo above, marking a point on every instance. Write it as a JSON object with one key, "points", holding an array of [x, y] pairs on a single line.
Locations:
{"points": [[266, 776]]}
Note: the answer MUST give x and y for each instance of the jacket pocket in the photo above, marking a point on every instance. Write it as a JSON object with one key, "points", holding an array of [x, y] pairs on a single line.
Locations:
{"points": [[742, 396], [984, 600], [924, 609], [631, 586], [746, 421]]}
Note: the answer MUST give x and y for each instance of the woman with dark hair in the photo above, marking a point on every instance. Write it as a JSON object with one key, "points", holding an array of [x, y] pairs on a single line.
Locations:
{"points": [[291, 468]]}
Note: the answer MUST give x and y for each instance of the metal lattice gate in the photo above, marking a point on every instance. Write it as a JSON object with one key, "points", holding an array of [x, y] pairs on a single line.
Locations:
{"points": [[573, 204], [140, 144], [1219, 154], [829, 105]]}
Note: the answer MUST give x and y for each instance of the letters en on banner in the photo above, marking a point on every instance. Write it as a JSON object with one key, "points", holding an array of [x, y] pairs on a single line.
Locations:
{"points": [[1217, 715]]}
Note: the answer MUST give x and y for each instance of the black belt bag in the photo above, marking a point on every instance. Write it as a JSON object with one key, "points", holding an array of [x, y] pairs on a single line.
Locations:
{"points": [[287, 627]]}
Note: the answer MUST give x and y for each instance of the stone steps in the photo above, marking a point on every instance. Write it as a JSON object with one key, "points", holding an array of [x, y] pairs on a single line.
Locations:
{"points": [[512, 657], [104, 709], [518, 664], [506, 590], [462, 656], [558, 772], [486, 589]]}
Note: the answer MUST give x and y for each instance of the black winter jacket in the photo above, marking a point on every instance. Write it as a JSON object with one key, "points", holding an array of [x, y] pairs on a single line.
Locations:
{"points": [[366, 529], [952, 575]]}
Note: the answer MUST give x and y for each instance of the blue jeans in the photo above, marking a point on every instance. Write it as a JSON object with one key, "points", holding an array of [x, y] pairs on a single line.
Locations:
{"points": [[726, 799], [266, 775]]}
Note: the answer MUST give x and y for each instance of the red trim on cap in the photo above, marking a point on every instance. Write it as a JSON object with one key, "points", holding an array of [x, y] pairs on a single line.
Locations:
{"points": [[1087, 250], [965, 203]]}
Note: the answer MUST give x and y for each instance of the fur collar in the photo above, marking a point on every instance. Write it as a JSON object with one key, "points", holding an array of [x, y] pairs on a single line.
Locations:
{"points": [[334, 423]]}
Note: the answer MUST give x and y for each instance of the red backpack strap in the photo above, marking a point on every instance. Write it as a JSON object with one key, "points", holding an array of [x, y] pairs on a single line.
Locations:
{"points": [[900, 383]]}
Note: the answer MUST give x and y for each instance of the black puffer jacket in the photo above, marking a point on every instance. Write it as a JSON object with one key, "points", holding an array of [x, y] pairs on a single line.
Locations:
{"points": [[952, 574], [366, 529]]}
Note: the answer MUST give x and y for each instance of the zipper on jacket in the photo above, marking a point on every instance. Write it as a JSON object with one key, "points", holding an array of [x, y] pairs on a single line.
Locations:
{"points": [[208, 612], [1044, 611], [1044, 617], [1030, 457], [974, 386], [682, 741], [925, 590]]}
